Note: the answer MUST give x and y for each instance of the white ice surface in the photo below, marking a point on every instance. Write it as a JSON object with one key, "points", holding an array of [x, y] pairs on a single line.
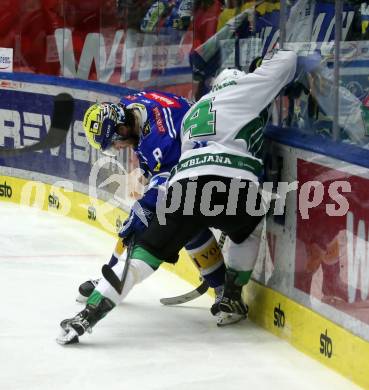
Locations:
{"points": [[141, 344]]}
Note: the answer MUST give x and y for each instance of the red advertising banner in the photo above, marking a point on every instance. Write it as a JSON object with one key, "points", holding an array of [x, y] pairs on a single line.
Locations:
{"points": [[332, 243]]}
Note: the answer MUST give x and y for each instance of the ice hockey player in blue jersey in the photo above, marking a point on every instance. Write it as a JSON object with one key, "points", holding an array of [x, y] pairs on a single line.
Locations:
{"points": [[148, 122]]}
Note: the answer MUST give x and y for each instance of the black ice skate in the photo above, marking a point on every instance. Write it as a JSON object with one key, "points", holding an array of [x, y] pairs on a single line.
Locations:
{"points": [[83, 322], [86, 289], [232, 309]]}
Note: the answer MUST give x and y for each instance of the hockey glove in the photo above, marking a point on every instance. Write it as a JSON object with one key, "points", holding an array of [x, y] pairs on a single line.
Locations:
{"points": [[309, 63], [137, 221]]}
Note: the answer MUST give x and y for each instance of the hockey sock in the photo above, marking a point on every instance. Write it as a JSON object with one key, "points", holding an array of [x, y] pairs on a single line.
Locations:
{"points": [[207, 256], [144, 255], [215, 278], [242, 277], [95, 298], [118, 251], [113, 260], [243, 256], [138, 271]]}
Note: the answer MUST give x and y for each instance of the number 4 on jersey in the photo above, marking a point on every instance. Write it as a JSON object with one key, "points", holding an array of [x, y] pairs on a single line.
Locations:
{"points": [[201, 120]]}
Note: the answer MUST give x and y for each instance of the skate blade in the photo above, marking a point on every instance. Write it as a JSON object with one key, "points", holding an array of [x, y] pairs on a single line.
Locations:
{"points": [[67, 336], [225, 319]]}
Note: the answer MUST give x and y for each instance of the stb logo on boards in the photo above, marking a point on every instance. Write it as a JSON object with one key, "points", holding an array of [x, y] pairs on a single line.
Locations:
{"points": [[54, 201], [5, 190], [279, 317], [91, 213], [326, 345]]}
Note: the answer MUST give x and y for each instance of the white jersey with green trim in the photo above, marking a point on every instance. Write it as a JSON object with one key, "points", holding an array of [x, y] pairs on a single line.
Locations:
{"points": [[222, 134]]}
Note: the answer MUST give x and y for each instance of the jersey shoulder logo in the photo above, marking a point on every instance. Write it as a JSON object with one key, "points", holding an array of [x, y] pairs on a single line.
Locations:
{"points": [[146, 129]]}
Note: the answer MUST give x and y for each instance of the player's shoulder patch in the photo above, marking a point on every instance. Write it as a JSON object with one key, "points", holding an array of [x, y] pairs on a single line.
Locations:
{"points": [[146, 130]]}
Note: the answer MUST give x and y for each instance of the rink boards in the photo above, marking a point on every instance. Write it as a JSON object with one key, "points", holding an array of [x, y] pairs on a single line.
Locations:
{"points": [[280, 299]]}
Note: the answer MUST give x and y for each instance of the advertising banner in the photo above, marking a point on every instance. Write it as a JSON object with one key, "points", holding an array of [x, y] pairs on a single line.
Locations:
{"points": [[332, 245], [25, 118], [26, 112]]}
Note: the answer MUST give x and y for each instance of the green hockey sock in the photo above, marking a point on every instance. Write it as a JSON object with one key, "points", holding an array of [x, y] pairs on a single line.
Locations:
{"points": [[142, 254], [95, 298], [242, 277]]}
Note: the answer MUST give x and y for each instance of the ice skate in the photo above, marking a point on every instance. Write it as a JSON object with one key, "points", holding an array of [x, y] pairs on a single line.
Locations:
{"points": [[234, 316], [84, 321], [231, 307], [86, 289]]}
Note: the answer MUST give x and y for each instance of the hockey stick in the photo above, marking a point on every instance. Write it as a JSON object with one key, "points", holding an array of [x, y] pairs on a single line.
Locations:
{"points": [[60, 122], [178, 300], [111, 276], [197, 292]]}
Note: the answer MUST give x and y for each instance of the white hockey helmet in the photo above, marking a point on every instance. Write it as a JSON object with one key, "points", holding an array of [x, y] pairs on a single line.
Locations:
{"points": [[227, 75]]}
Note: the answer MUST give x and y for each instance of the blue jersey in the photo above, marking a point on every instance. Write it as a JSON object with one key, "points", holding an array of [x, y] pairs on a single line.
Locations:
{"points": [[159, 146]]}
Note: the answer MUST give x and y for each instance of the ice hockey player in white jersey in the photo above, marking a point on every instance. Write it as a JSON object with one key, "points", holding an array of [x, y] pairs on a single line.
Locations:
{"points": [[222, 140], [214, 184]]}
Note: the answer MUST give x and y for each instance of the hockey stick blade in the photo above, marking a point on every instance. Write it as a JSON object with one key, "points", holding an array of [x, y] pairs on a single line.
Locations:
{"points": [[60, 123], [178, 300], [194, 293], [112, 278]]}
